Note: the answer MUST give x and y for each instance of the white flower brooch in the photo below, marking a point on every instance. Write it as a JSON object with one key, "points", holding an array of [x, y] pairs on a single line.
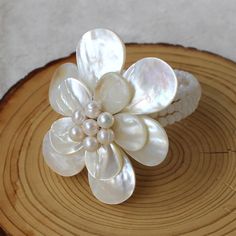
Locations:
{"points": [[105, 113]]}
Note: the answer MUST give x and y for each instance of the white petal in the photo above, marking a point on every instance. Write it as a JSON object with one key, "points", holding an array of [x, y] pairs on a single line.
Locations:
{"points": [[154, 83], [59, 136], [113, 92], [156, 147], [66, 93], [117, 189], [130, 131], [105, 163], [98, 52], [62, 164]]}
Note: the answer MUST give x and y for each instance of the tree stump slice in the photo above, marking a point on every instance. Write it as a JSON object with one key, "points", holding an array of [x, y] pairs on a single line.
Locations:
{"points": [[193, 192]]}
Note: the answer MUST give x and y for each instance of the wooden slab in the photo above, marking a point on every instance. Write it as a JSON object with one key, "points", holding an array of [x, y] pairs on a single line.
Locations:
{"points": [[192, 193]]}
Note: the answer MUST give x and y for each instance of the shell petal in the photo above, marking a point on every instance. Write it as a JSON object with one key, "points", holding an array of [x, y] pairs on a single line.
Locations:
{"points": [[115, 190], [154, 83], [156, 147], [59, 136], [62, 164], [66, 93], [99, 51], [105, 163], [113, 92], [130, 131]]}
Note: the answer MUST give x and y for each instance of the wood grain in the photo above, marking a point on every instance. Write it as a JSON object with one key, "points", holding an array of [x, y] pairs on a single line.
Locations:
{"points": [[192, 193]]}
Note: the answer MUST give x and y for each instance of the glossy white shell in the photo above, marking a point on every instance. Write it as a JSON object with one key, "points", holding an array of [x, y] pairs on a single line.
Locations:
{"points": [[99, 51], [113, 92], [156, 147], [66, 93], [154, 83], [62, 164], [130, 131], [59, 136], [117, 189], [105, 163]]}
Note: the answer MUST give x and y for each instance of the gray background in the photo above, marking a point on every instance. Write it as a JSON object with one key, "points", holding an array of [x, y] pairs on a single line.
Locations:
{"points": [[34, 32]]}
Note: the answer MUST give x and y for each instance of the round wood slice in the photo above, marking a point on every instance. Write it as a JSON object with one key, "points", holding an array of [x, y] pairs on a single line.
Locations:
{"points": [[193, 192]]}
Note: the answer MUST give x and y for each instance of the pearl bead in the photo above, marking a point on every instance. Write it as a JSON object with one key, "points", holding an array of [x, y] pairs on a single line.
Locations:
{"points": [[105, 120], [76, 134], [78, 117], [105, 136], [90, 127], [93, 109], [90, 144]]}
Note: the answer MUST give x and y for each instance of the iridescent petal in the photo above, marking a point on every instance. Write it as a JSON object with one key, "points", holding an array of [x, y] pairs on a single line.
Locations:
{"points": [[113, 92], [59, 136], [156, 147], [66, 93], [62, 164], [130, 131], [154, 83], [105, 163], [117, 189], [99, 51]]}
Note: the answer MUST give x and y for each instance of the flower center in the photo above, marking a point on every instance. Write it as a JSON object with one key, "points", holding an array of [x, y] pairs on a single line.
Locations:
{"points": [[92, 127]]}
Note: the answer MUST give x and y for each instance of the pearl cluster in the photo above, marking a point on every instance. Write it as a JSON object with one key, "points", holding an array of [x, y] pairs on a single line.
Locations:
{"points": [[92, 127]]}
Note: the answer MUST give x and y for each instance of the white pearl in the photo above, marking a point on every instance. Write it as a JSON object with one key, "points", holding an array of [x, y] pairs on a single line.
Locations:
{"points": [[78, 117], [59, 136], [105, 120], [90, 144], [90, 127], [76, 134], [105, 136], [93, 109]]}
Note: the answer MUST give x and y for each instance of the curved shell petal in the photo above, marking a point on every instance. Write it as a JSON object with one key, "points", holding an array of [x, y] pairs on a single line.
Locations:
{"points": [[105, 163], [59, 136], [66, 93], [62, 164], [154, 83], [99, 51], [117, 189], [113, 92], [156, 147], [130, 131]]}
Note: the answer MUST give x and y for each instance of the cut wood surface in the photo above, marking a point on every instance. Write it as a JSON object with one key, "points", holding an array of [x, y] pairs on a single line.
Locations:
{"points": [[193, 192]]}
